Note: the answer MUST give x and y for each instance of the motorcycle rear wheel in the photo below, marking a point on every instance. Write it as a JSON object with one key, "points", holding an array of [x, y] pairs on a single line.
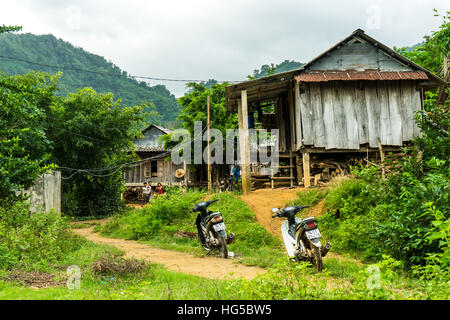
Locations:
{"points": [[223, 250], [317, 259]]}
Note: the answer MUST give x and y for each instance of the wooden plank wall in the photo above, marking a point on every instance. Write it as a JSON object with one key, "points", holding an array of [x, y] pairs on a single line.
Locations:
{"points": [[166, 173], [347, 114], [358, 56]]}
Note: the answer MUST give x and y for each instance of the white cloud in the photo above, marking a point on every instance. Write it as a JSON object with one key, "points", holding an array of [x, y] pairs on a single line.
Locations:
{"points": [[225, 40]]}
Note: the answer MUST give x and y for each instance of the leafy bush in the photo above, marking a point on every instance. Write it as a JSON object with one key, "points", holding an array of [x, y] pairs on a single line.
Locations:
{"points": [[33, 240], [378, 217], [294, 281], [158, 223], [309, 197], [145, 223], [24, 145]]}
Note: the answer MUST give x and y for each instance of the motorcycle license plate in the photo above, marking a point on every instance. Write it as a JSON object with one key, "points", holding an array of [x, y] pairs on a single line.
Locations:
{"points": [[313, 234], [219, 226]]}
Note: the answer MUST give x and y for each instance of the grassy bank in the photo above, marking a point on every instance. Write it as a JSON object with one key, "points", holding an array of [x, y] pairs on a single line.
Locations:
{"points": [[342, 279], [284, 280], [359, 216], [157, 224]]}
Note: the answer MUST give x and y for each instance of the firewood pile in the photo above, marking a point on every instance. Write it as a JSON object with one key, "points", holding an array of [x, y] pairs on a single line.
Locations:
{"points": [[260, 181], [392, 161], [112, 264], [133, 194], [324, 170]]}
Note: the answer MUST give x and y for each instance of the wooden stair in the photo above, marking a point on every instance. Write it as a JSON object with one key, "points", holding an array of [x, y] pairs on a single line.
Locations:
{"points": [[275, 180]]}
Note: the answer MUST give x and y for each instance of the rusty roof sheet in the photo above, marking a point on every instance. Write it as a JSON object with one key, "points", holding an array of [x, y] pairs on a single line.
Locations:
{"points": [[360, 75]]}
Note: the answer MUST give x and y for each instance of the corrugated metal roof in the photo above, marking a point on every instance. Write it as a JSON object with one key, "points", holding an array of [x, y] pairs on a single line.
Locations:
{"points": [[360, 75]]}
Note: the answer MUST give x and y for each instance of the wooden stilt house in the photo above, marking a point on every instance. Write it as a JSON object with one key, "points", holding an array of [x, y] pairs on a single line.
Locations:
{"points": [[352, 101], [157, 167]]}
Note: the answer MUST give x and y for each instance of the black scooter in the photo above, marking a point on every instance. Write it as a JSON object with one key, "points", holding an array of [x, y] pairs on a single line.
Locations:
{"points": [[301, 237], [211, 229]]}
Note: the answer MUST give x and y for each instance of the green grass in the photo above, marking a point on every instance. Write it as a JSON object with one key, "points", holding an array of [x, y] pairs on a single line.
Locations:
{"points": [[283, 280], [84, 225], [254, 245], [309, 197], [154, 283], [342, 279]]}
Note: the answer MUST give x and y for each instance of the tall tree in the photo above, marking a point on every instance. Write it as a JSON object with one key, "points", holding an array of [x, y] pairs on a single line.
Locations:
{"points": [[194, 108], [430, 54], [24, 146], [92, 131]]}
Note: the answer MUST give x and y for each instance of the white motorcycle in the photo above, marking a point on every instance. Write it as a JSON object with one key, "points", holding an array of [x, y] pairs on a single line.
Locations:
{"points": [[301, 237]]}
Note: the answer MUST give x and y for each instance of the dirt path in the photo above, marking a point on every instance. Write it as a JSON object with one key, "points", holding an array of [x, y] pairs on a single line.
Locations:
{"points": [[263, 200], [209, 267]]}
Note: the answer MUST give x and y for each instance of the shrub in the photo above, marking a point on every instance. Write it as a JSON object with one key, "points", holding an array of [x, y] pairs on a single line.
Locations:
{"points": [[145, 223], [160, 221], [111, 264], [371, 217], [33, 240], [309, 197], [293, 281]]}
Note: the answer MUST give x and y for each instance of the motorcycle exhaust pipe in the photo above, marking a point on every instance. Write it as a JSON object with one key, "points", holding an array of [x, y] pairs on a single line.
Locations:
{"points": [[326, 249], [231, 238]]}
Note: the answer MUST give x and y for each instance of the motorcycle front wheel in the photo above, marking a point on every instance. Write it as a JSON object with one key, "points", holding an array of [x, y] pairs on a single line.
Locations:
{"points": [[202, 242]]}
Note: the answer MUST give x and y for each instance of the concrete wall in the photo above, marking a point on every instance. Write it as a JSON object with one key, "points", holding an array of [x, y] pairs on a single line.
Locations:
{"points": [[46, 193]]}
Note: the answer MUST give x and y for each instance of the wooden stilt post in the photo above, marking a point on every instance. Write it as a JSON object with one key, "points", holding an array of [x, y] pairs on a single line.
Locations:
{"points": [[299, 170], [367, 160], [244, 143], [291, 169], [383, 174], [271, 180], [306, 173], [298, 118], [209, 150]]}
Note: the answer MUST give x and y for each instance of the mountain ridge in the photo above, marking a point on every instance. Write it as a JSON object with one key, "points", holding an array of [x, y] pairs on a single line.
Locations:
{"points": [[83, 69]]}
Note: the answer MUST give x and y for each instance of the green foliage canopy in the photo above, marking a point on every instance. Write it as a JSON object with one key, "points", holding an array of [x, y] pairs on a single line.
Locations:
{"points": [[194, 108], [92, 130], [24, 145], [430, 54]]}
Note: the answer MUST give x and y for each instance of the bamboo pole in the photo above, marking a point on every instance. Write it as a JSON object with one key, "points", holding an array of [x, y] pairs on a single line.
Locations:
{"points": [[383, 173], [306, 170], [244, 144], [209, 150]]}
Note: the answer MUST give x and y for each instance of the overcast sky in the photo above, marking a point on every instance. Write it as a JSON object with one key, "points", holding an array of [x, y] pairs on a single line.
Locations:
{"points": [[224, 40]]}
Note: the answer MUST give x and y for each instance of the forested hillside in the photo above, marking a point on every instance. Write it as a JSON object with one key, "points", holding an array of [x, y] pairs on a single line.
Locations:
{"points": [[46, 49]]}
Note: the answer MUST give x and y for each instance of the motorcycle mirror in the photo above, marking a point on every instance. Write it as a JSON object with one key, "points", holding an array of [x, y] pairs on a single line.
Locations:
{"points": [[274, 210]]}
